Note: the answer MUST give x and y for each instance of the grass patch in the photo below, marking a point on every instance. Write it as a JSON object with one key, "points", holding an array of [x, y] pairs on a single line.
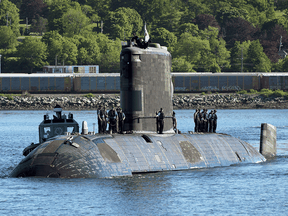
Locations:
{"points": [[242, 92], [266, 93], [89, 95], [9, 96], [253, 91]]}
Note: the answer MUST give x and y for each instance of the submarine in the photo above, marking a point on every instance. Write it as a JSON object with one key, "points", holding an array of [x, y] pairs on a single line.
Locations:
{"points": [[145, 87]]}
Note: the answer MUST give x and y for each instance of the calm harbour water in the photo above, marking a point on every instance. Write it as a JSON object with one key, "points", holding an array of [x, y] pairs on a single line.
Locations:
{"points": [[251, 189]]}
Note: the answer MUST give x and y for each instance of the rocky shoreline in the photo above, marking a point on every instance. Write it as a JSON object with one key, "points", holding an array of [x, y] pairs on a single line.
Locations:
{"points": [[180, 101]]}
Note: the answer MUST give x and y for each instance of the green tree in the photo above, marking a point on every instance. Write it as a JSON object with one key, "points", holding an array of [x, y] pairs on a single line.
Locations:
{"points": [[101, 7], [88, 50], [284, 64], [74, 22], [180, 64], [237, 51], [189, 28], [170, 19], [39, 25], [219, 52], [8, 39], [54, 43], [69, 52], [164, 38], [261, 63], [62, 48], [9, 16], [203, 49], [57, 8], [32, 52], [123, 21], [193, 49], [192, 8], [109, 60]]}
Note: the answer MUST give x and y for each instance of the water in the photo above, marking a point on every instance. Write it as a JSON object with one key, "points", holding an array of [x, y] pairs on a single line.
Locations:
{"points": [[251, 189]]}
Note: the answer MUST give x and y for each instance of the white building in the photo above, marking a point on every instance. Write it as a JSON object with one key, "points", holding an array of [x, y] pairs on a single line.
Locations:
{"points": [[71, 69]]}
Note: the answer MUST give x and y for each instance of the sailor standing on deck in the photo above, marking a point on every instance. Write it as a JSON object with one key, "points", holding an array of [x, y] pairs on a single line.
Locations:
{"points": [[210, 120], [161, 117], [174, 120], [112, 118], [205, 120], [196, 120], [214, 117], [201, 129], [102, 122], [121, 117]]}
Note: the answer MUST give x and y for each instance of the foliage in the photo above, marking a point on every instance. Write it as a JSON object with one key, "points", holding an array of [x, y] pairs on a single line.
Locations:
{"points": [[181, 65], [201, 35], [32, 53], [39, 25], [260, 62], [266, 92], [9, 15], [242, 92], [123, 21], [89, 95], [57, 9], [238, 29], [205, 20], [8, 96], [88, 50], [279, 93], [109, 60], [253, 91], [164, 37], [205, 51], [237, 51], [32, 9], [8, 39], [275, 93], [74, 22]]}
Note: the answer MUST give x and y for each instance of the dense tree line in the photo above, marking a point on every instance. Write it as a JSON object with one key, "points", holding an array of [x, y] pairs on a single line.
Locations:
{"points": [[202, 35]]}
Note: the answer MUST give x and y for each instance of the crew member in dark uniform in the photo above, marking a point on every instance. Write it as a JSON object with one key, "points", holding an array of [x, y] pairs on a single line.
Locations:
{"points": [[161, 117], [198, 121], [205, 120], [140, 42], [214, 121], [174, 122], [112, 121], [201, 129], [195, 121], [102, 122], [99, 120], [210, 120], [121, 117]]}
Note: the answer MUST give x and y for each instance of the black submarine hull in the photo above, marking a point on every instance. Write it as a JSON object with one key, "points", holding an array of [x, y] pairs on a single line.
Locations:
{"points": [[105, 156]]}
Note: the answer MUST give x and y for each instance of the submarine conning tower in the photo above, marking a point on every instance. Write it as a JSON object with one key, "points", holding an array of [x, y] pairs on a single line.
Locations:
{"points": [[145, 86]]}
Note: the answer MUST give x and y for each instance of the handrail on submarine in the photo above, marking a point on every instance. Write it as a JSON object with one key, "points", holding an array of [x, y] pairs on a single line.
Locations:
{"points": [[147, 117]]}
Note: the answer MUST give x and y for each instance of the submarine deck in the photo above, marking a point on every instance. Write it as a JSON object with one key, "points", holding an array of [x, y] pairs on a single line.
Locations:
{"points": [[93, 156]]}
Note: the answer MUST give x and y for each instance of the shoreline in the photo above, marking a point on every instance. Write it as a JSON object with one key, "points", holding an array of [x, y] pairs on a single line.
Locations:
{"points": [[180, 101]]}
